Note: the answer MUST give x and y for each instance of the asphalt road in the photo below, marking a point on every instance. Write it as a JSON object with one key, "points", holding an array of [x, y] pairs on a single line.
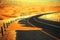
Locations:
{"points": [[51, 29]]}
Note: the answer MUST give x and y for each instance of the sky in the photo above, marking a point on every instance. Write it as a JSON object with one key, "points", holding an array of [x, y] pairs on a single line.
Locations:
{"points": [[36, 0], [39, 0], [24, 2]]}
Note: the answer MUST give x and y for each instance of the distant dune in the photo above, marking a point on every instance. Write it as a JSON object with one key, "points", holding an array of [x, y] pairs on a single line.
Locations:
{"points": [[12, 9]]}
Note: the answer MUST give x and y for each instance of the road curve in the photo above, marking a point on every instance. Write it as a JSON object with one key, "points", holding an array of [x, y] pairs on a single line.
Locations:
{"points": [[50, 29]]}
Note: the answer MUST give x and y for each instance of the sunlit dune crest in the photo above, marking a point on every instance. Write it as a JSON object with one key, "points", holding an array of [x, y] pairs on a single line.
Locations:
{"points": [[52, 17]]}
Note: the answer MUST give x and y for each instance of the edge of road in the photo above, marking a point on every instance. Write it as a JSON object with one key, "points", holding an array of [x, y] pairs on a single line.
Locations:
{"points": [[50, 35]]}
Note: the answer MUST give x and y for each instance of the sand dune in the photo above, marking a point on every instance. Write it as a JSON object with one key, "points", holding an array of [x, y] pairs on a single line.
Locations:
{"points": [[14, 8], [52, 17]]}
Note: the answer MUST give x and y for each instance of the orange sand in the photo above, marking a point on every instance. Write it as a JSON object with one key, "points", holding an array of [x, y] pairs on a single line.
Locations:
{"points": [[16, 26], [11, 34], [8, 11]]}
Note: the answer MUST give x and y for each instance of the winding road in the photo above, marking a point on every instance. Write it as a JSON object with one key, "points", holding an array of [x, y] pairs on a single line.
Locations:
{"points": [[51, 30]]}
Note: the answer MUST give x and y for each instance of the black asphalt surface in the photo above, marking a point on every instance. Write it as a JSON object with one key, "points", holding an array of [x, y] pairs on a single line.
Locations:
{"points": [[37, 35], [31, 35]]}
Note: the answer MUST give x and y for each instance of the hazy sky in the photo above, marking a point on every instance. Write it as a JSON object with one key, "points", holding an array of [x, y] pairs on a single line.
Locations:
{"points": [[40, 0], [44, 2], [37, 0]]}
